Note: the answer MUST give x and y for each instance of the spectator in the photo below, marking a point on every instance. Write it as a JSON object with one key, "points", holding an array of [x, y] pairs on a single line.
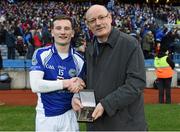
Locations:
{"points": [[2, 34], [148, 45], [28, 40], [47, 37], [157, 47], [37, 38], [10, 42], [177, 42], [20, 47]]}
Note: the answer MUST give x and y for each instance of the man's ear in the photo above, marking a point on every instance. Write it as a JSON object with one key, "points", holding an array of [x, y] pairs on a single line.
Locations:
{"points": [[110, 16]]}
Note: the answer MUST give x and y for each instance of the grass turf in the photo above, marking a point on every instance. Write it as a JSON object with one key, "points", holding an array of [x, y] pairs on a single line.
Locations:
{"points": [[159, 117]]}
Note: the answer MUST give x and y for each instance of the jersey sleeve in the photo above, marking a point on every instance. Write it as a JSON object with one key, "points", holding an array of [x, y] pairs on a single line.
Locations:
{"points": [[36, 64]]}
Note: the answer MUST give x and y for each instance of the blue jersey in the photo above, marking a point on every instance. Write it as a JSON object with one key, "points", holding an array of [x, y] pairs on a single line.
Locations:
{"points": [[47, 59]]}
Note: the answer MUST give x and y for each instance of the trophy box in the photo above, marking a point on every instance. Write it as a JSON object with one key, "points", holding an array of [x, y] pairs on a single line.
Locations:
{"points": [[87, 99]]}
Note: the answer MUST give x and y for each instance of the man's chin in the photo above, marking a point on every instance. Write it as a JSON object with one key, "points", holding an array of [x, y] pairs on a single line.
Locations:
{"points": [[100, 34]]}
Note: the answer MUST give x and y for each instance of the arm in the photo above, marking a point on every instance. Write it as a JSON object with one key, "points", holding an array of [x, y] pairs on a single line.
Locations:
{"points": [[170, 62], [39, 85]]}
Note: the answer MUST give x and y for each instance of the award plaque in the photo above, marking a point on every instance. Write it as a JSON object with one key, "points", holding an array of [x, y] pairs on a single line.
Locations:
{"points": [[88, 101]]}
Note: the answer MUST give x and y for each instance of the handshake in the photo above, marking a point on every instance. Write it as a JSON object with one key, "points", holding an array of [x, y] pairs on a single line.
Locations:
{"points": [[74, 84]]}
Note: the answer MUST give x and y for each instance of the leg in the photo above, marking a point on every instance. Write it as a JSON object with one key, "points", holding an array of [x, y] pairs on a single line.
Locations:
{"points": [[64, 122], [68, 122], [161, 90], [46, 123], [168, 90]]}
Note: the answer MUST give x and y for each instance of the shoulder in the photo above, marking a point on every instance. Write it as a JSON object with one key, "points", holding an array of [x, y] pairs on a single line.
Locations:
{"points": [[125, 41], [42, 55], [43, 52], [122, 38], [77, 54], [43, 49]]}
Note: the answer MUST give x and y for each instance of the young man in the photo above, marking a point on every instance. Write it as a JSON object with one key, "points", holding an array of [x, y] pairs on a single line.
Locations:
{"points": [[55, 75], [115, 70]]}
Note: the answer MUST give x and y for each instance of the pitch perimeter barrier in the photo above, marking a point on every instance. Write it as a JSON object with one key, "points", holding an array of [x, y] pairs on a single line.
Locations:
{"points": [[18, 70], [19, 73], [16, 64]]}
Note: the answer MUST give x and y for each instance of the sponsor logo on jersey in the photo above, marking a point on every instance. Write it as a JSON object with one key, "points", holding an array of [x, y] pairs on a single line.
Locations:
{"points": [[50, 67], [62, 67]]}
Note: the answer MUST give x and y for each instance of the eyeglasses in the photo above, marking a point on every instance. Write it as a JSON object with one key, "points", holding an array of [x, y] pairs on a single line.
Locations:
{"points": [[100, 18]]}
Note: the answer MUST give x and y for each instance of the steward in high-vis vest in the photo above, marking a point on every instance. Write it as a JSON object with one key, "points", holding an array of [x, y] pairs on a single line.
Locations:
{"points": [[164, 72], [163, 69]]}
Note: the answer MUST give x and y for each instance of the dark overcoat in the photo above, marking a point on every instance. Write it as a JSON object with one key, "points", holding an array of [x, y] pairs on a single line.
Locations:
{"points": [[116, 72]]}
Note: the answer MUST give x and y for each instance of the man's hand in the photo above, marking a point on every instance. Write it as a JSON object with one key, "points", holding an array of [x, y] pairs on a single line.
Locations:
{"points": [[99, 110], [74, 84], [76, 104]]}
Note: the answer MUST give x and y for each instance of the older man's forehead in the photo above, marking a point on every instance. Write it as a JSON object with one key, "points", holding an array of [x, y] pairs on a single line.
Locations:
{"points": [[96, 9]]}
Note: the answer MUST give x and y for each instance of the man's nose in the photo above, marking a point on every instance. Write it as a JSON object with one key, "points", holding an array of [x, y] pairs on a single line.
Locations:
{"points": [[97, 22], [62, 31]]}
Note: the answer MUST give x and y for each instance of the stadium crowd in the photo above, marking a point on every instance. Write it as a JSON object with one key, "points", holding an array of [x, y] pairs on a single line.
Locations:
{"points": [[26, 26]]}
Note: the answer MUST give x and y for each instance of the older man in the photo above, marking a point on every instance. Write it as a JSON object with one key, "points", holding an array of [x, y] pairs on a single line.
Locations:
{"points": [[115, 70]]}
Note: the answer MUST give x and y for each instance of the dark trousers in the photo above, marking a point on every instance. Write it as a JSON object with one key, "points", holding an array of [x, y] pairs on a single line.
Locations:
{"points": [[164, 86], [147, 54], [11, 52], [30, 51]]}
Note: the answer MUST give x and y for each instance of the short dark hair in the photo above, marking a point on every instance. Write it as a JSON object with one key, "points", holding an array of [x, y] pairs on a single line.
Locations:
{"points": [[62, 17]]}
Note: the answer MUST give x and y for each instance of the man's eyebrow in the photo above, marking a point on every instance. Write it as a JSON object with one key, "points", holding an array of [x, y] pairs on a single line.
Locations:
{"points": [[97, 16], [62, 26]]}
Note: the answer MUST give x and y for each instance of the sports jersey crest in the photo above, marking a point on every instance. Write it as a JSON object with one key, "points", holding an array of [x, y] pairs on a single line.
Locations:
{"points": [[72, 72], [34, 60]]}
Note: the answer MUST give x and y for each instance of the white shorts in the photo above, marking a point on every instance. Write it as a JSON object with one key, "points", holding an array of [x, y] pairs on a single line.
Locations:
{"points": [[64, 122]]}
